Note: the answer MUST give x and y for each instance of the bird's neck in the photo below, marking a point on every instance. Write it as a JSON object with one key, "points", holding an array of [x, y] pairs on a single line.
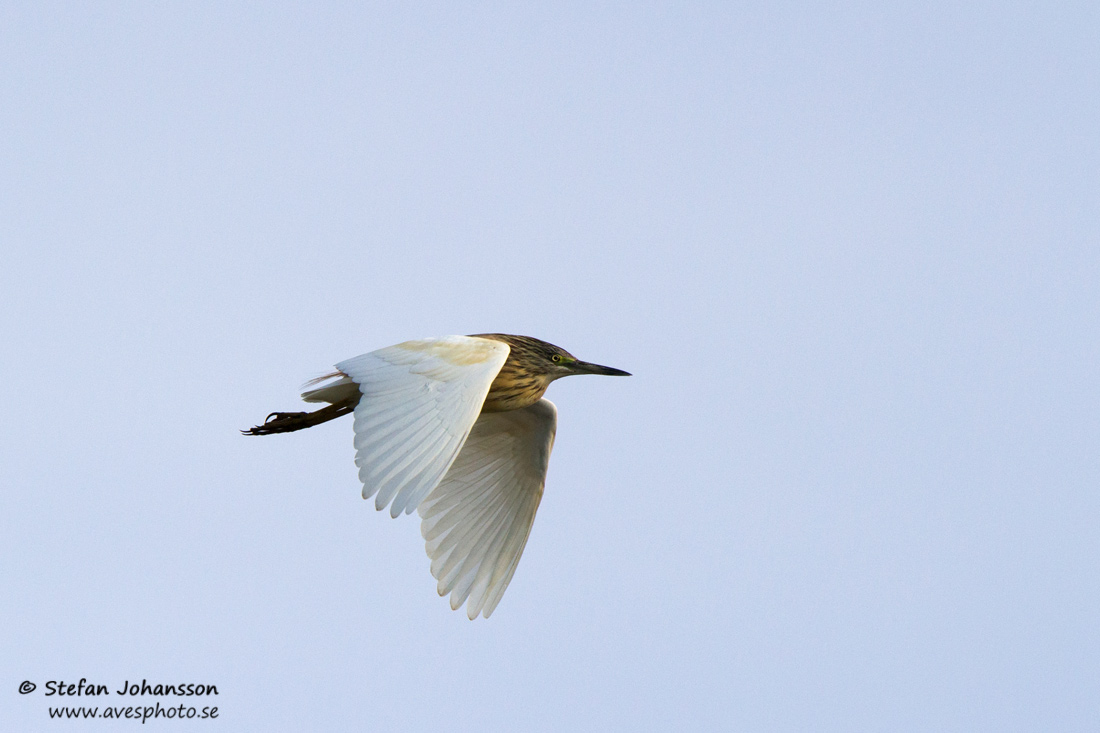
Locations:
{"points": [[514, 388]]}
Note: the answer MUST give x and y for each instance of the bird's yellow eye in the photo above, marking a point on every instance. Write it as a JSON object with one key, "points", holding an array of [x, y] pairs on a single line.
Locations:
{"points": [[556, 358]]}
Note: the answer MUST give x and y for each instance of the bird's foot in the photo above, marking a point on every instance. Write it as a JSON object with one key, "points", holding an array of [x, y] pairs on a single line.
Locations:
{"points": [[280, 422]]}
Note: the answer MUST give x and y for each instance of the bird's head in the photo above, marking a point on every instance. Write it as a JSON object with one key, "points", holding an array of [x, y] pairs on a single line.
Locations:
{"points": [[545, 361], [563, 364]]}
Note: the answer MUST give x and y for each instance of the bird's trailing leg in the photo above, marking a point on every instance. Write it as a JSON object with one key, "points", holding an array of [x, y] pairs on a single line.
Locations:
{"points": [[288, 422]]}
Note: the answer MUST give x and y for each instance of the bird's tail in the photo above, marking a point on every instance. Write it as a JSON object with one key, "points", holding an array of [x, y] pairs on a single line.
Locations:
{"points": [[288, 422]]}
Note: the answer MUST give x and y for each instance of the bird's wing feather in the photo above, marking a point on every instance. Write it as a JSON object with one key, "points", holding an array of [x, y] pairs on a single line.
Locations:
{"points": [[420, 400], [476, 522]]}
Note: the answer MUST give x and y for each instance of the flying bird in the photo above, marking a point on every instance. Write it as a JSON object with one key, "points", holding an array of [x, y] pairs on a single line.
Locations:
{"points": [[457, 429]]}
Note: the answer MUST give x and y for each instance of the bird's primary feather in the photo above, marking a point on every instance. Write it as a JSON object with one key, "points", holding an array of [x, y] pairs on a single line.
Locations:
{"points": [[476, 522], [419, 401]]}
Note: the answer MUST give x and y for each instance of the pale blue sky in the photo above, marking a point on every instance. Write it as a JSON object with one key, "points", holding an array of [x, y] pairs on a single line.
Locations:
{"points": [[850, 252]]}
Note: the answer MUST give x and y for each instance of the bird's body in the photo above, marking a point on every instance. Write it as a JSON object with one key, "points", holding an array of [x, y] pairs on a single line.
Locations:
{"points": [[457, 428]]}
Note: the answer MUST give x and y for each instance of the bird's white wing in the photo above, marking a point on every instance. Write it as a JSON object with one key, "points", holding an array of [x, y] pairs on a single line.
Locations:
{"points": [[476, 522], [420, 400]]}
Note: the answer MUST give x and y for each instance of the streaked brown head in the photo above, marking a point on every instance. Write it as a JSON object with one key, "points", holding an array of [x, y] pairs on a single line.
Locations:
{"points": [[531, 366]]}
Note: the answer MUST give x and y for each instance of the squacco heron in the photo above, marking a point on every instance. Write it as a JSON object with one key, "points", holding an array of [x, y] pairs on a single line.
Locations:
{"points": [[457, 429]]}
